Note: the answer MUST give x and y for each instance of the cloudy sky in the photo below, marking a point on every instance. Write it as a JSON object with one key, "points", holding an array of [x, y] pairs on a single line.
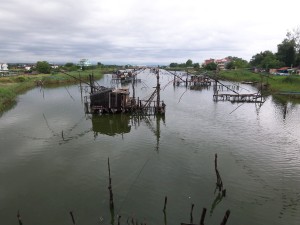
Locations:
{"points": [[142, 31]]}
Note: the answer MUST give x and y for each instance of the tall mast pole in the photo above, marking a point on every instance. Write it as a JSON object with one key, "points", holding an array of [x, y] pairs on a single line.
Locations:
{"points": [[157, 91]]}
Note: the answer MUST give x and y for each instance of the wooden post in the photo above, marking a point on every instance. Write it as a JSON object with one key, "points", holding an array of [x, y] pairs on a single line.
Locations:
{"points": [[191, 214], [72, 216], [19, 218], [226, 216], [111, 200], [157, 91], [91, 84], [203, 216], [119, 217], [164, 210], [219, 183], [165, 205]]}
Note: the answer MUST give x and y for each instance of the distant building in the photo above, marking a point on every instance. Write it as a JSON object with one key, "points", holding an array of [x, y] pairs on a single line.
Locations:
{"points": [[3, 67], [208, 61], [220, 62]]}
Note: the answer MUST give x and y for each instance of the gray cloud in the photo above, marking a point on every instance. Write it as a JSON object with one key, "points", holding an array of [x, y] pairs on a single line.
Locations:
{"points": [[132, 31]]}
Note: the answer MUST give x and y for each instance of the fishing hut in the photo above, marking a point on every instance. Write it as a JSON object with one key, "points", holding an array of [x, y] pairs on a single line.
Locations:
{"points": [[104, 100], [193, 81], [126, 76], [200, 80]]}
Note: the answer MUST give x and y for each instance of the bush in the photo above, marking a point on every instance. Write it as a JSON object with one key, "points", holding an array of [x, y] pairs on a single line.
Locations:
{"points": [[20, 79]]}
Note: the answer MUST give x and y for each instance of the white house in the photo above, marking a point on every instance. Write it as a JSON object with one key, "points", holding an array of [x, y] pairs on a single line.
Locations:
{"points": [[3, 67]]}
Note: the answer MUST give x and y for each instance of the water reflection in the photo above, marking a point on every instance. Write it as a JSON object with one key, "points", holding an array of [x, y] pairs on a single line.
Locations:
{"points": [[119, 124], [111, 125], [284, 106]]}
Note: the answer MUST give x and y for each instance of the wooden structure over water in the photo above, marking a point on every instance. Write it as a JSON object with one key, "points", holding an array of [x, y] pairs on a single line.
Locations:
{"points": [[234, 96], [257, 98], [109, 100], [126, 76]]}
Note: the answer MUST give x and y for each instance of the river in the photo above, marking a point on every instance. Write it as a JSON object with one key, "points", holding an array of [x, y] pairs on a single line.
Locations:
{"points": [[53, 159]]}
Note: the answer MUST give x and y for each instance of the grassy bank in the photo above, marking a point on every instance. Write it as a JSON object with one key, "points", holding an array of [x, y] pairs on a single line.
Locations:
{"points": [[11, 87], [276, 84]]}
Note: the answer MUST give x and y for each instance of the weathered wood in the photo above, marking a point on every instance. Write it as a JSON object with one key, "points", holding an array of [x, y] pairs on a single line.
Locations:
{"points": [[165, 205], [226, 216], [111, 199], [72, 216], [203, 216], [119, 217], [191, 213], [19, 218]]}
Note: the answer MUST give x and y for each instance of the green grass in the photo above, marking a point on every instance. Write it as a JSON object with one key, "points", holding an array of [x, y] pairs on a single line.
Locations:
{"points": [[11, 87], [240, 75], [277, 84]]}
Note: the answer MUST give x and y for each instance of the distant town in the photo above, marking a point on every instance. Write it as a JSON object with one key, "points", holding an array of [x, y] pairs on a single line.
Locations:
{"points": [[227, 63]]}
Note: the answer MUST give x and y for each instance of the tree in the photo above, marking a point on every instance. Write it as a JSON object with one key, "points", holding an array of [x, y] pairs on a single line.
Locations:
{"points": [[295, 36], [173, 64], [211, 66], [236, 63], [43, 67], [69, 64], [230, 66], [266, 59], [196, 65], [287, 52], [189, 62]]}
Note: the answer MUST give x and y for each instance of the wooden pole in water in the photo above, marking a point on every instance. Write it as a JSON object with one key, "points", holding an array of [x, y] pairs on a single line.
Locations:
{"points": [[111, 200], [119, 217], [19, 218], [219, 179], [165, 205], [72, 216], [203, 216], [91, 84], [174, 81], [157, 92], [191, 214], [226, 216]]}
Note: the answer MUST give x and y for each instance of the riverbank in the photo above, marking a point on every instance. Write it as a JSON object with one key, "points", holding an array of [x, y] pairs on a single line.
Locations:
{"points": [[287, 85], [11, 87]]}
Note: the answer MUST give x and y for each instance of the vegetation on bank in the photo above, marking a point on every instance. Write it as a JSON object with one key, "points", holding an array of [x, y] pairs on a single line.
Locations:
{"points": [[11, 87], [276, 84]]}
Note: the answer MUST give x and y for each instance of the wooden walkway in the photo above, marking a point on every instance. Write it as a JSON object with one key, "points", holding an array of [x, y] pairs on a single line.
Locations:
{"points": [[256, 98]]}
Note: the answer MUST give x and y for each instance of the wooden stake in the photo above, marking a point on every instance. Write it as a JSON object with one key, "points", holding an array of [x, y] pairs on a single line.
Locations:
{"points": [[203, 216], [19, 218], [119, 217], [226, 216], [165, 205], [191, 214], [72, 216], [111, 199]]}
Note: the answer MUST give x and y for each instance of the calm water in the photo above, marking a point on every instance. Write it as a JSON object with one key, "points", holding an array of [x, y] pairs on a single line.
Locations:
{"points": [[53, 159]]}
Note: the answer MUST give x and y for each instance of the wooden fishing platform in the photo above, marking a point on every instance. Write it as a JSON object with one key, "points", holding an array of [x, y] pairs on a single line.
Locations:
{"points": [[103, 100], [192, 81], [256, 98]]}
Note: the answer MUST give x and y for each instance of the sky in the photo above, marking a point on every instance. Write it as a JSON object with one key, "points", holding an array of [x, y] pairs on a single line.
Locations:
{"points": [[142, 32]]}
